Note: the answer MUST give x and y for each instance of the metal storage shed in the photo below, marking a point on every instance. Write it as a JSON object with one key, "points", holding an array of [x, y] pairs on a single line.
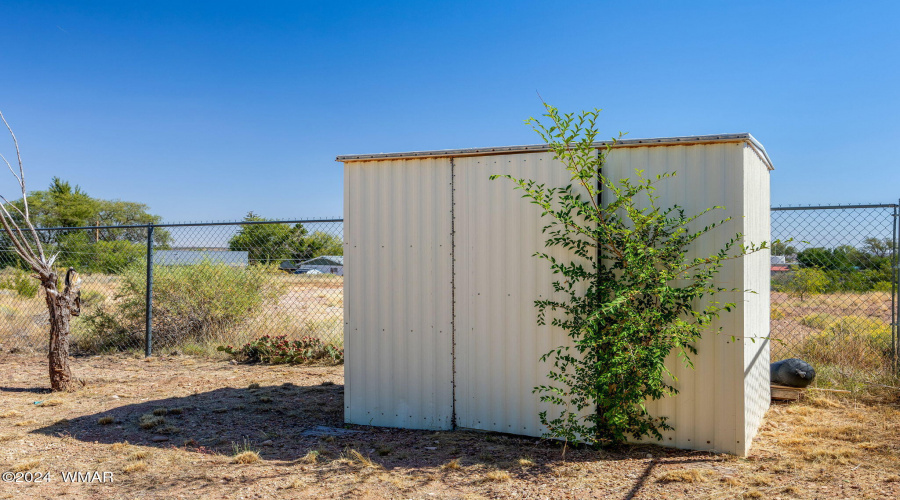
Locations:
{"points": [[440, 327]]}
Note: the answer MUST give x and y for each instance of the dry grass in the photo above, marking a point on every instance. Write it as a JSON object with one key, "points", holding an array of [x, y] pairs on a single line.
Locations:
{"points": [[10, 414], [25, 423], [27, 465], [139, 466], [50, 402], [138, 455], [105, 420], [246, 457], [149, 421], [825, 447], [452, 465], [497, 476], [685, 476], [120, 447]]}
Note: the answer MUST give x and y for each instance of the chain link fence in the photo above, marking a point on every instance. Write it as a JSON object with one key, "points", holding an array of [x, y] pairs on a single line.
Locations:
{"points": [[835, 285], [186, 288]]}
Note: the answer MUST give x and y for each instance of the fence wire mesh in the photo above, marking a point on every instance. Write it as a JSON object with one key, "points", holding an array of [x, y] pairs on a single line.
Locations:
{"points": [[212, 284], [834, 286]]}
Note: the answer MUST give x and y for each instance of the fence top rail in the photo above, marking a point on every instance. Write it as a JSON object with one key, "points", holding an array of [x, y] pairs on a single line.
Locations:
{"points": [[836, 207], [189, 224]]}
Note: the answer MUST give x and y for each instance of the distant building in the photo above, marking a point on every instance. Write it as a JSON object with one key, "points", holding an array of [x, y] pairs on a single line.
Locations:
{"points": [[779, 264], [192, 257], [328, 264]]}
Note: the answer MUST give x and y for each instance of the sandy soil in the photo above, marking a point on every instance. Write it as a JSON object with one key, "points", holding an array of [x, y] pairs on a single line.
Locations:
{"points": [[211, 411]]}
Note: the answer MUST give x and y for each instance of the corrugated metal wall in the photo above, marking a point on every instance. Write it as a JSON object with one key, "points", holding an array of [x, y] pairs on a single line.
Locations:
{"points": [[757, 228], [498, 342], [400, 292], [709, 411], [397, 294]]}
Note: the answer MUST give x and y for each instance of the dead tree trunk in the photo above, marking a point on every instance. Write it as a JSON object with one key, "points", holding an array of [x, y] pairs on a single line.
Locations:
{"points": [[27, 245], [62, 306]]}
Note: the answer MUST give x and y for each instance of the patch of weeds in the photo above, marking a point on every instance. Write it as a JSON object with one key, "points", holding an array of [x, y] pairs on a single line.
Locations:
{"points": [[452, 465], [168, 429], [10, 414], [149, 421], [50, 402], [105, 420], [685, 476], [754, 493], [7, 437], [24, 423], [176, 411], [357, 458], [138, 455], [265, 399], [160, 412], [760, 480], [311, 457], [497, 476], [219, 410], [117, 447], [526, 462], [327, 383], [731, 481], [138, 466], [384, 450], [24, 466], [254, 385], [244, 454]]}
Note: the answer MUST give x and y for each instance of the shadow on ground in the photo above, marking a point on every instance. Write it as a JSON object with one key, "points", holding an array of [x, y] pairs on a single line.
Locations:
{"points": [[285, 422], [271, 419]]}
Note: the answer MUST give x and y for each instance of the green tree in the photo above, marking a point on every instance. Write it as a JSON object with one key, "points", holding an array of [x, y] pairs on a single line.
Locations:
{"points": [[640, 293], [782, 248], [273, 243], [878, 247], [807, 281], [316, 244], [267, 243]]}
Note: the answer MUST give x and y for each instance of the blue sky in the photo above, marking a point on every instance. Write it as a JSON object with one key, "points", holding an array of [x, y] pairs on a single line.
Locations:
{"points": [[205, 110]]}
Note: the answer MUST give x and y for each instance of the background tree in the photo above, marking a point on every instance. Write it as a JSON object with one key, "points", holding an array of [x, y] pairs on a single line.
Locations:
{"points": [[807, 281], [782, 248], [61, 304], [273, 243], [878, 247]]}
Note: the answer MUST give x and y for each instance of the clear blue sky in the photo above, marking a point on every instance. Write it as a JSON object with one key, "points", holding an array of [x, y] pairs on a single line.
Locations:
{"points": [[205, 110]]}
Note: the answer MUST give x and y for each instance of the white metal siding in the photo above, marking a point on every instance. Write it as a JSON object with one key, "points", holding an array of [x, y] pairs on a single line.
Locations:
{"points": [[709, 409], [397, 332], [400, 289], [756, 311], [498, 342]]}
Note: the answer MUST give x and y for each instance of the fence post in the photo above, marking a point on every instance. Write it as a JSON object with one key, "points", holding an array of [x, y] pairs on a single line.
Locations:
{"points": [[895, 292], [148, 329]]}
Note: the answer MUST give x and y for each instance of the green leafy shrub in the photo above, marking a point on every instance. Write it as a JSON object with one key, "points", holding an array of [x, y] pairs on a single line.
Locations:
{"points": [[806, 282], [280, 350], [819, 321], [22, 283], [851, 341], [628, 299], [777, 313], [80, 251], [191, 303]]}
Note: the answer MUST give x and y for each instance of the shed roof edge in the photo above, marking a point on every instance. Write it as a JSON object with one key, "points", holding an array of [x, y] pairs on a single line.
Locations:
{"points": [[534, 148]]}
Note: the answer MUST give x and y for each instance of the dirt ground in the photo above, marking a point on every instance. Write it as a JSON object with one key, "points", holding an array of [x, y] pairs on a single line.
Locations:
{"points": [[179, 427]]}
